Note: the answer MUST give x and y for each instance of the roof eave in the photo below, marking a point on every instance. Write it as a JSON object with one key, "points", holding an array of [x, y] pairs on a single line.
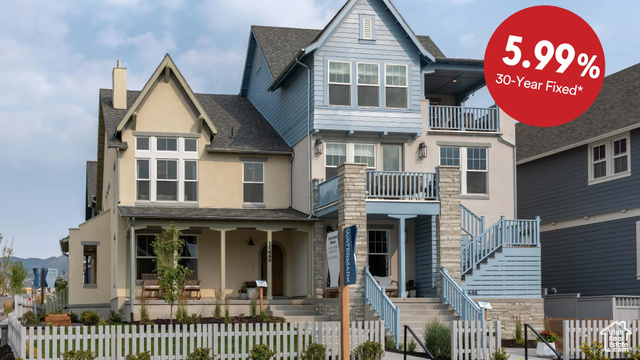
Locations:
{"points": [[289, 69], [253, 152]]}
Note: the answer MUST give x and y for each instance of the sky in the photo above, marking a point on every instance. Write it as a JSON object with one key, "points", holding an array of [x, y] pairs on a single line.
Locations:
{"points": [[56, 55]]}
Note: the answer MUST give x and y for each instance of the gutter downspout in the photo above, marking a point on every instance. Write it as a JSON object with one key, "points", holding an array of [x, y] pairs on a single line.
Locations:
{"points": [[118, 175], [308, 135], [132, 274], [293, 156], [515, 176]]}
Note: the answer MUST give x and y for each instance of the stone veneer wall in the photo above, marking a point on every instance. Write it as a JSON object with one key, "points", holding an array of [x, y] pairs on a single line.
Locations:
{"points": [[448, 224], [506, 310], [319, 249]]}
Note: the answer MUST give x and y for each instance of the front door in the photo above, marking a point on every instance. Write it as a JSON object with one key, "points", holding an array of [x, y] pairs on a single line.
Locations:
{"points": [[391, 157], [277, 269], [379, 252]]}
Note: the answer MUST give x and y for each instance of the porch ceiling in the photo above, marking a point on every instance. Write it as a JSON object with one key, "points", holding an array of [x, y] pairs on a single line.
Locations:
{"points": [[459, 77], [197, 213]]}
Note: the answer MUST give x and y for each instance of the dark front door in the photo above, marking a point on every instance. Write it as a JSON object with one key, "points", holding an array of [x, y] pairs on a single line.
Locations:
{"points": [[277, 268]]}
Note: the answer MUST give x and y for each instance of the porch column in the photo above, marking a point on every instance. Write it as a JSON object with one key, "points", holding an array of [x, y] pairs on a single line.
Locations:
{"points": [[269, 265], [448, 224], [310, 264], [402, 268], [223, 261]]}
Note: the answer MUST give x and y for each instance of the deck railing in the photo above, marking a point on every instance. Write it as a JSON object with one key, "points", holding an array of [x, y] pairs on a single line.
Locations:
{"points": [[461, 303], [328, 192], [384, 307], [502, 233], [471, 223], [460, 118], [57, 301], [402, 185]]}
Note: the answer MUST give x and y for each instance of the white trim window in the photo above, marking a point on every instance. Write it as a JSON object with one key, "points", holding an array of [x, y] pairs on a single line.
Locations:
{"points": [[339, 84], [166, 169], [145, 255], [368, 85], [474, 167], [378, 255], [396, 88], [337, 154], [253, 182], [609, 159]]}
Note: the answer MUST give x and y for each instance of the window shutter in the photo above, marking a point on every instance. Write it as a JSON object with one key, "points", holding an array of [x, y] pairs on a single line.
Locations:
{"points": [[367, 31]]}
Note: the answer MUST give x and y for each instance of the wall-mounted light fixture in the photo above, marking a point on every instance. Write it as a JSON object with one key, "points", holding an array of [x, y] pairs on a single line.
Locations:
{"points": [[251, 243], [422, 150], [318, 147]]}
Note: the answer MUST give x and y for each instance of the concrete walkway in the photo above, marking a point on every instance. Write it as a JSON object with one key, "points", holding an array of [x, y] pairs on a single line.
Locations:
{"points": [[515, 354]]}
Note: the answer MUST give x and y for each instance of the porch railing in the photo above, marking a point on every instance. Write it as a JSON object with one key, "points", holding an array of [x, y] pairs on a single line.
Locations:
{"points": [[460, 118], [384, 307], [461, 303], [328, 192], [402, 185], [57, 301], [472, 224], [502, 233]]}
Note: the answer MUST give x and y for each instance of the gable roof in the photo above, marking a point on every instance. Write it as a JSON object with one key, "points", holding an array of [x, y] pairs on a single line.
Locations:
{"points": [[166, 65], [252, 132], [616, 109], [91, 181], [282, 46]]}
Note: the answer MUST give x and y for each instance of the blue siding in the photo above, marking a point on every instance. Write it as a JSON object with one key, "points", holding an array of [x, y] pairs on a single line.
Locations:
{"points": [[391, 46], [597, 259], [556, 187], [425, 255], [513, 272], [284, 108]]}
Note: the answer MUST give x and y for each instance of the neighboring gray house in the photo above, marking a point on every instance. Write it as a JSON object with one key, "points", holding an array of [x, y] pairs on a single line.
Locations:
{"points": [[583, 179]]}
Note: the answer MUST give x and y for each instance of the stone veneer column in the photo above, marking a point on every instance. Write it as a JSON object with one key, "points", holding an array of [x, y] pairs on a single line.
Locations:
{"points": [[448, 224], [319, 249], [352, 211]]}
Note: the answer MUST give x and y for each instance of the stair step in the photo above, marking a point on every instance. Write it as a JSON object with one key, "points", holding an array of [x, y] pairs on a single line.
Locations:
{"points": [[289, 302], [288, 307], [314, 318], [293, 313]]}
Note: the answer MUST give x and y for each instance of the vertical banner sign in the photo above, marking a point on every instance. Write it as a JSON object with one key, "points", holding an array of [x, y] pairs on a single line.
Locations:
{"points": [[333, 258], [350, 269]]}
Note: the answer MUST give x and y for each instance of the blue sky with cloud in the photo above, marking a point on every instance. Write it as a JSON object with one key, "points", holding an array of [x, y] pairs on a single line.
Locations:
{"points": [[55, 55]]}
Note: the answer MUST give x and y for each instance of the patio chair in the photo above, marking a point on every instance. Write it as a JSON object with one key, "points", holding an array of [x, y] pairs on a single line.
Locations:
{"points": [[387, 284], [150, 284], [191, 285]]}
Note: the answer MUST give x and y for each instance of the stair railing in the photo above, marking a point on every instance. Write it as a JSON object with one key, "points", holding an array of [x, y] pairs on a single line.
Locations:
{"points": [[57, 301], [459, 301], [471, 223], [424, 348], [503, 233], [384, 307], [526, 342]]}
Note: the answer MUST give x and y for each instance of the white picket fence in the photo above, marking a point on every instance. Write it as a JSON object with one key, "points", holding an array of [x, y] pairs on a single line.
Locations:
{"points": [[233, 341], [577, 332], [472, 340]]}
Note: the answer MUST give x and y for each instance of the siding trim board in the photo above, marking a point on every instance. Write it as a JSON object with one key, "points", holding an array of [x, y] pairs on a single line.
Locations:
{"points": [[594, 219]]}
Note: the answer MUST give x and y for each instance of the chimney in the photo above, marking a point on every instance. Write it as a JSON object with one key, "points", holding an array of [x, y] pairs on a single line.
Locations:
{"points": [[119, 87]]}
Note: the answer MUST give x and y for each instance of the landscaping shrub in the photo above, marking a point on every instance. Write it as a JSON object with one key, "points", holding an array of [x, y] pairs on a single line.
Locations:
{"points": [[261, 352], [390, 342], [633, 353], [519, 338], [593, 351], [314, 352], [29, 318], [181, 314], [411, 347], [254, 307], [201, 354], [437, 338], [368, 350], [227, 315], [89, 317], [548, 336], [116, 317], [144, 310], [74, 317], [500, 354], [79, 355], [145, 355], [8, 306]]}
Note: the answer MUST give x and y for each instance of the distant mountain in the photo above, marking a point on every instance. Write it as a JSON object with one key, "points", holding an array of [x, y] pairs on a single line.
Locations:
{"points": [[61, 263]]}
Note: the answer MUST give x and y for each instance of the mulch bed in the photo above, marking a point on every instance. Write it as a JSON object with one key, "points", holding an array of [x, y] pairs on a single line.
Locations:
{"points": [[212, 320], [416, 354], [6, 353], [513, 344]]}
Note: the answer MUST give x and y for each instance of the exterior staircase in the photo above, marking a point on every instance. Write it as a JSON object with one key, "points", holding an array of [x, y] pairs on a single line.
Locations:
{"points": [[416, 312], [296, 310]]}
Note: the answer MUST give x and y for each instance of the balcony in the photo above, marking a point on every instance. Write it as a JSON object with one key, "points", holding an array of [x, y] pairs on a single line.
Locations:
{"points": [[459, 118], [384, 190]]}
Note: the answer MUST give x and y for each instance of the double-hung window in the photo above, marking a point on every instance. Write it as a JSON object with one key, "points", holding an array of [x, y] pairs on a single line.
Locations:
{"points": [[396, 88], [253, 182], [145, 255], [90, 264], [368, 85], [474, 169], [166, 169], [340, 83], [337, 154], [609, 159]]}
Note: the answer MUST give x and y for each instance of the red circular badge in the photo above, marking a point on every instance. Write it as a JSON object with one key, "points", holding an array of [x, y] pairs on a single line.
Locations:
{"points": [[544, 66]]}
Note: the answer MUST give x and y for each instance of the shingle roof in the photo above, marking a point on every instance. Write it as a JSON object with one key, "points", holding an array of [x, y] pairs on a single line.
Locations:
{"points": [[198, 213], [92, 181], [280, 45], [251, 131], [616, 107]]}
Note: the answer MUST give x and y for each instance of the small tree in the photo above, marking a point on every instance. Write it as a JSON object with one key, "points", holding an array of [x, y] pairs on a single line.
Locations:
{"points": [[18, 274], [5, 266], [168, 247]]}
